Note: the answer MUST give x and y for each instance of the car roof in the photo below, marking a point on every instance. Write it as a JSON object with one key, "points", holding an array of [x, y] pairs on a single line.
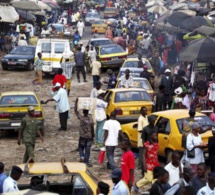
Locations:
{"points": [[18, 93], [176, 113], [137, 79], [135, 59], [53, 167], [125, 89]]}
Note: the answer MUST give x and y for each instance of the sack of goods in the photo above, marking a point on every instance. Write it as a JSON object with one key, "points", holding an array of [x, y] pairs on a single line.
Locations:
{"points": [[85, 103], [68, 54]]}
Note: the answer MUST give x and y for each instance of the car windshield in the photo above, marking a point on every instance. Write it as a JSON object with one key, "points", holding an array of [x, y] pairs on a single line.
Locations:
{"points": [[18, 100], [127, 96], [59, 28], [92, 15], [111, 50], [20, 50], [101, 42], [98, 22], [184, 124], [134, 64], [133, 73]]}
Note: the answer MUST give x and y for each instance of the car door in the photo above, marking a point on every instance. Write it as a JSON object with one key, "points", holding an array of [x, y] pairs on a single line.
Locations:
{"points": [[163, 125], [108, 99], [133, 135]]}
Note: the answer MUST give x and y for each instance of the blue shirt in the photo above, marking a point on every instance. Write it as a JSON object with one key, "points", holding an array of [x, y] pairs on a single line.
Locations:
{"points": [[112, 80], [3, 176]]}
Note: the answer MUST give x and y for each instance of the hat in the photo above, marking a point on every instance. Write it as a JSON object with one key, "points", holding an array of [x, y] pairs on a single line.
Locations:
{"points": [[212, 174], [188, 171], [30, 108], [100, 91], [116, 173], [103, 187], [68, 54], [109, 71], [167, 70], [57, 85], [178, 90], [145, 67]]}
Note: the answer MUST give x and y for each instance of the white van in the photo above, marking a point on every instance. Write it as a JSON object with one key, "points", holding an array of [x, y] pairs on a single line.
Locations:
{"points": [[52, 50]]}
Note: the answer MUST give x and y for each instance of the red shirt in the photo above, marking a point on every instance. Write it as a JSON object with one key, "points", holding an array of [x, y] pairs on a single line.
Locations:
{"points": [[151, 155], [178, 46], [127, 163], [59, 78]]}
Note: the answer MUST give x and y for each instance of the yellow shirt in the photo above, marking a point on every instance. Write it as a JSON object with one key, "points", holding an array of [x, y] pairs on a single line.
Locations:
{"points": [[139, 38], [142, 122], [96, 65]]}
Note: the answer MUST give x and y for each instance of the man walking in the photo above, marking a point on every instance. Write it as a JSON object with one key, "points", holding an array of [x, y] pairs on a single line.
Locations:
{"points": [[27, 133], [62, 107], [38, 64], [86, 133], [112, 130], [67, 67], [80, 64], [96, 71]]}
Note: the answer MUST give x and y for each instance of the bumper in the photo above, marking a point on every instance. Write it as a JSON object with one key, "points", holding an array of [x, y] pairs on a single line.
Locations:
{"points": [[15, 124], [50, 69], [115, 63], [15, 64], [126, 119]]}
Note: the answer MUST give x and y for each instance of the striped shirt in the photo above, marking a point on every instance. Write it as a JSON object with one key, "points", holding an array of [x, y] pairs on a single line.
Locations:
{"points": [[38, 64], [67, 69]]}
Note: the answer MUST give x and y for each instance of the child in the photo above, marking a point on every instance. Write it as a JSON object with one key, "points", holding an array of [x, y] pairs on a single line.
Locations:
{"points": [[127, 164], [150, 160]]}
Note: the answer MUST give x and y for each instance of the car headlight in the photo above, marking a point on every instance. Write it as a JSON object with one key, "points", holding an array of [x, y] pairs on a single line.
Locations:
{"points": [[22, 60]]}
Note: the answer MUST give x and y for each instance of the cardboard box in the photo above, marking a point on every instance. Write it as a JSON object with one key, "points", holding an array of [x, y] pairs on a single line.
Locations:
{"points": [[85, 103]]}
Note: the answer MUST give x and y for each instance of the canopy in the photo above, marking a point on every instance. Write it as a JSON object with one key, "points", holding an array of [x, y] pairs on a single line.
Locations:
{"points": [[8, 14], [26, 15], [26, 5]]}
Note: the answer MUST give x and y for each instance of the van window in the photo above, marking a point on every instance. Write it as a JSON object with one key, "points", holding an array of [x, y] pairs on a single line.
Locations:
{"points": [[46, 48], [59, 47]]}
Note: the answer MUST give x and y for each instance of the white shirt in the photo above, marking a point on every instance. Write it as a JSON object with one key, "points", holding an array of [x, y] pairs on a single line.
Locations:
{"points": [[145, 44], [80, 25], [92, 54], [120, 189], [10, 185], [113, 127], [199, 154], [62, 101], [94, 93], [127, 82], [125, 20], [206, 191], [173, 173], [100, 113], [22, 42]]}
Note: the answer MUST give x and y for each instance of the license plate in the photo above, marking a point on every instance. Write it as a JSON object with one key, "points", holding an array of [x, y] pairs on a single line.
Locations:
{"points": [[11, 63], [15, 124], [135, 112], [115, 58]]}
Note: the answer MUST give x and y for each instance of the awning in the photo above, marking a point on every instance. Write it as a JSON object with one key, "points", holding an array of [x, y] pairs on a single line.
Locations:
{"points": [[8, 14]]}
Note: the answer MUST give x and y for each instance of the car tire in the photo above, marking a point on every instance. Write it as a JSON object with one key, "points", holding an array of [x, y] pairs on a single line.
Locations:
{"points": [[169, 155], [4, 68], [30, 66]]}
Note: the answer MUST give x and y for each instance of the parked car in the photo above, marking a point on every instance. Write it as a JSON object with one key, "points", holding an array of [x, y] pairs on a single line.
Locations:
{"points": [[19, 57], [112, 55], [170, 125], [99, 25], [14, 106], [127, 103], [91, 17], [111, 12], [99, 41]]}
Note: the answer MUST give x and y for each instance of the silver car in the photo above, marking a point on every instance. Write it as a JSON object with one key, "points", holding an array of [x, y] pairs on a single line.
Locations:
{"points": [[91, 17]]}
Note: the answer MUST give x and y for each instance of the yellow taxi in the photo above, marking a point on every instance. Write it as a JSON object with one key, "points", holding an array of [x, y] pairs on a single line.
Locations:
{"points": [[68, 178], [170, 125], [127, 103], [111, 55], [99, 25], [132, 62], [14, 106], [139, 83]]}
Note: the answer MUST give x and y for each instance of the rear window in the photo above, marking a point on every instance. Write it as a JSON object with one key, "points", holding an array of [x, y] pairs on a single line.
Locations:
{"points": [[46, 48], [134, 64], [142, 84], [132, 96], [101, 42], [18, 100], [184, 124], [92, 15], [111, 50], [59, 47]]}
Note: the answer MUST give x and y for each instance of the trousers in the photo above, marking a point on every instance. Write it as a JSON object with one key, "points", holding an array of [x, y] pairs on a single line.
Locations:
{"points": [[84, 146], [110, 156], [95, 80], [100, 131], [82, 70], [147, 179], [39, 77], [63, 120], [29, 152]]}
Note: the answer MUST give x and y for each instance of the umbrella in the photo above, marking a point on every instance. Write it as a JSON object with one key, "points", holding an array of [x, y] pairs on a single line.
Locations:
{"points": [[154, 2], [26, 15], [177, 6], [205, 31], [192, 36], [167, 27], [163, 18], [194, 6], [176, 18], [157, 9], [201, 50], [8, 14], [188, 12], [52, 5], [26, 5], [39, 13], [193, 22]]}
